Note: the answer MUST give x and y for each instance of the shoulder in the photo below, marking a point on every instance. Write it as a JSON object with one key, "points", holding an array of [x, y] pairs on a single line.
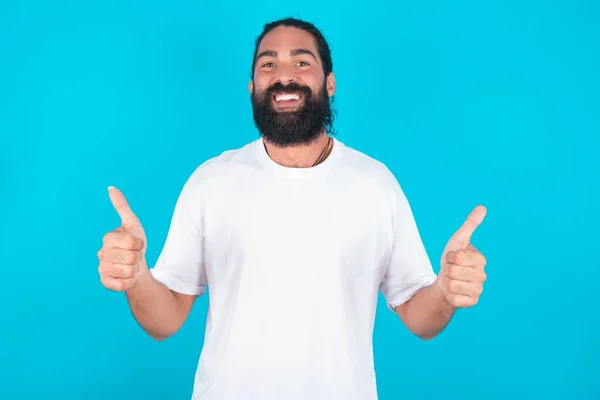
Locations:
{"points": [[381, 184], [371, 170], [221, 169], [229, 162]]}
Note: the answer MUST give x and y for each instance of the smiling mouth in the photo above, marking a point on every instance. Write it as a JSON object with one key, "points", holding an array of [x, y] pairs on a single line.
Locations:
{"points": [[287, 99]]}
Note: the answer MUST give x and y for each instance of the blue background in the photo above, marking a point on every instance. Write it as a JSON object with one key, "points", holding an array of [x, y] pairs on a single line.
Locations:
{"points": [[467, 102]]}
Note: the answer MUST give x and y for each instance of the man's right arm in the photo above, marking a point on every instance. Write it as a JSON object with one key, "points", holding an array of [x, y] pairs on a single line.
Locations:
{"points": [[158, 310]]}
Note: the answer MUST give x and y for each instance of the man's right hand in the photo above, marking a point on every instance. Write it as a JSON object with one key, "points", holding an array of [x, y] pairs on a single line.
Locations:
{"points": [[122, 256]]}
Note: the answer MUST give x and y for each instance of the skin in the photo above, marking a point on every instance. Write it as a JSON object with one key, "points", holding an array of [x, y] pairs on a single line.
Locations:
{"points": [[286, 55], [123, 268], [459, 283]]}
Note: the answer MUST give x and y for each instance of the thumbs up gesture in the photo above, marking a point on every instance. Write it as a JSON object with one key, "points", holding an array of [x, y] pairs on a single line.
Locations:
{"points": [[122, 255], [462, 266]]}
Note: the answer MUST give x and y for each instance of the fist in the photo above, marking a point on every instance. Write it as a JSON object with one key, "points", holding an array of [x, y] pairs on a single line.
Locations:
{"points": [[122, 256], [462, 277], [462, 272]]}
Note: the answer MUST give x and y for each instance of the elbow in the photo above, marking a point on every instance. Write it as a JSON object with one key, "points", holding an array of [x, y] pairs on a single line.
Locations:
{"points": [[160, 336], [164, 331], [423, 332], [426, 336], [420, 331]]}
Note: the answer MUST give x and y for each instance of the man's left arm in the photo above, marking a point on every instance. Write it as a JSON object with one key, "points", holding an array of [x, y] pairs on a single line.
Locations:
{"points": [[427, 313], [458, 284]]}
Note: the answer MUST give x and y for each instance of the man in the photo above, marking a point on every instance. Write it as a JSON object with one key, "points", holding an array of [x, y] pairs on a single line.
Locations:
{"points": [[295, 234]]}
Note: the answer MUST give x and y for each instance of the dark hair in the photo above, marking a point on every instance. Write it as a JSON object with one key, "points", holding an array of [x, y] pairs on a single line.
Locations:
{"points": [[322, 46]]}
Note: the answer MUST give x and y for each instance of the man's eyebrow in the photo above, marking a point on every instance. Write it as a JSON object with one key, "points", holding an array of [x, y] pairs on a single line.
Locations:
{"points": [[267, 53], [295, 52]]}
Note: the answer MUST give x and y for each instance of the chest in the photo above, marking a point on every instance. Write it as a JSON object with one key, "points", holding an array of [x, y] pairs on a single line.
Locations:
{"points": [[318, 232]]}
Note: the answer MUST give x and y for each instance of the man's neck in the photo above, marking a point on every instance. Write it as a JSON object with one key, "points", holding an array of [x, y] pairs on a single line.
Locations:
{"points": [[298, 156]]}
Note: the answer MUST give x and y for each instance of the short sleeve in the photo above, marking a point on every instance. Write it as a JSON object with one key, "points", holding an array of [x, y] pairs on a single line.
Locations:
{"points": [[180, 265], [409, 268]]}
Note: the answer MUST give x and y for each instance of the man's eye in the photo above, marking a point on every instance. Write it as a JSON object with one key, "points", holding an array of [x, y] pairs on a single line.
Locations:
{"points": [[269, 64], [302, 64]]}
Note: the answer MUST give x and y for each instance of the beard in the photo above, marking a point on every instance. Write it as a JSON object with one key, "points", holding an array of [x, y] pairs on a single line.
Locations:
{"points": [[300, 126]]}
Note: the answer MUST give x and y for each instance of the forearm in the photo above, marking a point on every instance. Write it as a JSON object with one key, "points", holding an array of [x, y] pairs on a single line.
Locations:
{"points": [[427, 313], [157, 310]]}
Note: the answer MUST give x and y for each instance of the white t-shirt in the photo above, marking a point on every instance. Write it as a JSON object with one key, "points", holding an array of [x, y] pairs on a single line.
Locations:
{"points": [[294, 259]]}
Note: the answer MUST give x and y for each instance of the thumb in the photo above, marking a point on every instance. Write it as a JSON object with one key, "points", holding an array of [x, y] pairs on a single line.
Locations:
{"points": [[128, 218], [474, 219]]}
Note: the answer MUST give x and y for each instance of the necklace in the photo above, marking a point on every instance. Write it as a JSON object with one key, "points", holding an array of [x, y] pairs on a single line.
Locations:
{"points": [[324, 153]]}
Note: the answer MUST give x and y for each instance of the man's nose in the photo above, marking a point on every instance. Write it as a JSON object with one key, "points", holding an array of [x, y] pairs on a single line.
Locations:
{"points": [[286, 79], [286, 75]]}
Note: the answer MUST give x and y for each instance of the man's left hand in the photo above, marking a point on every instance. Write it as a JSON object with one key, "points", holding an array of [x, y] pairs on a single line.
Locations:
{"points": [[462, 273]]}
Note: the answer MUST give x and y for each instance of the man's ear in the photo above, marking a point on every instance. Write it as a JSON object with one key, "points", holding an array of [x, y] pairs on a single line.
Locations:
{"points": [[330, 84], [250, 86]]}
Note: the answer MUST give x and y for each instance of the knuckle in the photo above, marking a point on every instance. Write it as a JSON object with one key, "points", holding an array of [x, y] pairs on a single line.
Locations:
{"points": [[127, 257], [120, 284], [453, 286], [455, 301], [452, 271], [134, 257], [107, 237], [479, 290], [464, 301], [105, 282], [116, 270], [104, 254], [129, 242], [459, 257], [450, 298], [128, 271]]}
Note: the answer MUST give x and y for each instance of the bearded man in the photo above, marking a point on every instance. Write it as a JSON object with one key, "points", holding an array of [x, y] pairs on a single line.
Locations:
{"points": [[295, 234]]}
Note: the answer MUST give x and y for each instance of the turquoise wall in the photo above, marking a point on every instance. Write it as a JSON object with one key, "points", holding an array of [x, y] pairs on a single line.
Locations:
{"points": [[467, 102]]}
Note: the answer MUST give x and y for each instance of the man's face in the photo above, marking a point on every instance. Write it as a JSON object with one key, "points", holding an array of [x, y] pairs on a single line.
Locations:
{"points": [[289, 91]]}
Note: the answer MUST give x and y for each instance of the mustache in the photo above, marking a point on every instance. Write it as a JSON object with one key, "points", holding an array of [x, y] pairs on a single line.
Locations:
{"points": [[278, 87]]}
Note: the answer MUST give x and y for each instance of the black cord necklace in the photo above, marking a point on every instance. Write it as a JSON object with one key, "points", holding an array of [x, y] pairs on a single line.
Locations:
{"points": [[324, 153]]}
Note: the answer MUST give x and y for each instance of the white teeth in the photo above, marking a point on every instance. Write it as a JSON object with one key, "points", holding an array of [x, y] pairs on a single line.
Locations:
{"points": [[287, 96]]}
